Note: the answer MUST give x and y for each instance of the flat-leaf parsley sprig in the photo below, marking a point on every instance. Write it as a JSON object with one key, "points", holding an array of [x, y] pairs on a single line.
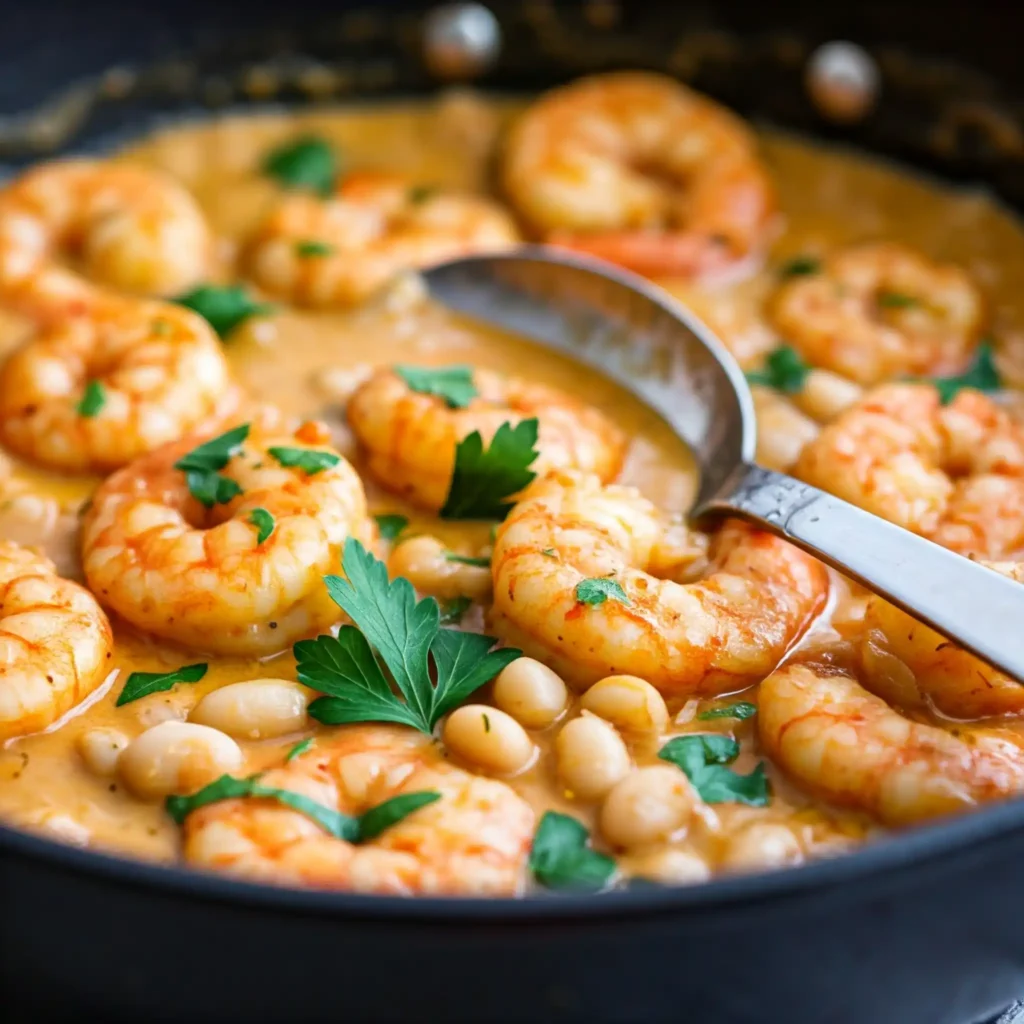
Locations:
{"points": [[202, 466], [433, 668]]}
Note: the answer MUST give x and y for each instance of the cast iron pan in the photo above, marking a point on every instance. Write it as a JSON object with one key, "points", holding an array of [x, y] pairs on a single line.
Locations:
{"points": [[923, 928]]}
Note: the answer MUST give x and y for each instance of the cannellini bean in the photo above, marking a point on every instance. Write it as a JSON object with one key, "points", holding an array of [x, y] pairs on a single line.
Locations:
{"points": [[255, 709], [759, 845], [826, 394], [782, 429], [669, 865], [531, 693], [628, 702], [591, 757], [489, 739], [100, 750], [177, 757], [423, 561], [647, 806]]}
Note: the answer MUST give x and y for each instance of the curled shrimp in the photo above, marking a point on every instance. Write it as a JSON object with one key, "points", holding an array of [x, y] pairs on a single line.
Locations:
{"points": [[200, 577], [410, 437], [909, 664], [637, 169], [720, 633], [821, 726], [55, 642], [474, 840], [339, 251], [132, 229], [153, 372], [953, 473], [874, 312]]}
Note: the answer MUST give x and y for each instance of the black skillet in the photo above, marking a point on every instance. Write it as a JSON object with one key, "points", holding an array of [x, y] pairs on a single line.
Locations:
{"points": [[924, 928]]}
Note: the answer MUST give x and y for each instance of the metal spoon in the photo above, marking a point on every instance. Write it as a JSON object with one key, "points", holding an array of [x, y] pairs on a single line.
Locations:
{"points": [[620, 325]]}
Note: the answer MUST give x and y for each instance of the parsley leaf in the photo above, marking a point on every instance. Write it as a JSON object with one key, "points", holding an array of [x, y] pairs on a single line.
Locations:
{"points": [[407, 636], [313, 248], [201, 466], [484, 478], [392, 811], [264, 523], [703, 757], [223, 307], [142, 684], [452, 383], [391, 526], [310, 460], [597, 591], [211, 488], [299, 749], [784, 370], [480, 563], [800, 266], [741, 710], [307, 163], [981, 375], [93, 399], [896, 300], [561, 859], [453, 610], [420, 194]]}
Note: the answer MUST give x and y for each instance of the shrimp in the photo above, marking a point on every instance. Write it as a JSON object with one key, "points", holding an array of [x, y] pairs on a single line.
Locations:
{"points": [[411, 437], [55, 642], [846, 745], [636, 169], [154, 372], [339, 251], [909, 664], [474, 840], [953, 473], [131, 228], [874, 312], [716, 635], [200, 577]]}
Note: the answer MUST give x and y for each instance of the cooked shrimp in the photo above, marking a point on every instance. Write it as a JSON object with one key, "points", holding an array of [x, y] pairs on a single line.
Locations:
{"points": [[411, 437], [162, 561], [131, 228], [952, 473], [719, 634], [874, 312], [154, 370], [474, 840], [848, 746], [55, 642], [909, 664], [339, 251], [637, 169]]}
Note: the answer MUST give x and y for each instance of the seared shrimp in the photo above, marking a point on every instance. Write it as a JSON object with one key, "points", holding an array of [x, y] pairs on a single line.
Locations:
{"points": [[952, 473], [874, 312], [55, 642], [168, 565], [131, 228], [848, 746], [411, 437], [909, 664], [95, 392], [719, 634], [338, 251], [637, 169], [474, 840]]}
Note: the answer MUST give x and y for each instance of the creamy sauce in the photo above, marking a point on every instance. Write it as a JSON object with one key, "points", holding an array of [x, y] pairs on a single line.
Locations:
{"points": [[303, 364]]}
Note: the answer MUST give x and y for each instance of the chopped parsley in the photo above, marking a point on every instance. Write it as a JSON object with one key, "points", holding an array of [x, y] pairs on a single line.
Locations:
{"points": [[597, 591], [223, 307], [562, 859], [800, 266], [142, 684], [982, 375], [264, 523], [421, 193], [703, 759], [454, 384], [93, 399], [741, 710], [549, 553], [406, 635], [390, 525], [784, 370], [485, 478], [896, 300], [201, 467], [480, 563], [313, 249], [299, 749], [308, 163], [453, 610], [310, 460]]}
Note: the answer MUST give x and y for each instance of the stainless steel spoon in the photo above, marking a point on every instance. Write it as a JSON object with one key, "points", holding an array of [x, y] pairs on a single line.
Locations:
{"points": [[618, 324]]}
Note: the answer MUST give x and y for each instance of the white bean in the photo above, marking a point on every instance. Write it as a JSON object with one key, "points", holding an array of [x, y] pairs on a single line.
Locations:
{"points": [[782, 429], [647, 807], [425, 563], [100, 750], [489, 739], [669, 865], [628, 702], [826, 394], [591, 757], [177, 757], [255, 709], [760, 845], [531, 693]]}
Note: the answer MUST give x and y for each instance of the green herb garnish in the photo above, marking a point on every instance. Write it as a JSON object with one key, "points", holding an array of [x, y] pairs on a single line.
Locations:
{"points": [[93, 399], [597, 591], [703, 758], [484, 478], [741, 710], [308, 163], [223, 307], [421, 193], [264, 523], [981, 375], [391, 526], [561, 859], [142, 684], [453, 610], [201, 466], [310, 460], [313, 249], [299, 749], [480, 563], [549, 553], [784, 370], [452, 383], [896, 300], [800, 266], [406, 635]]}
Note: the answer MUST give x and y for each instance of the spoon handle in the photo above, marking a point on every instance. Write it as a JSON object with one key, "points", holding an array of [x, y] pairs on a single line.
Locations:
{"points": [[966, 602]]}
